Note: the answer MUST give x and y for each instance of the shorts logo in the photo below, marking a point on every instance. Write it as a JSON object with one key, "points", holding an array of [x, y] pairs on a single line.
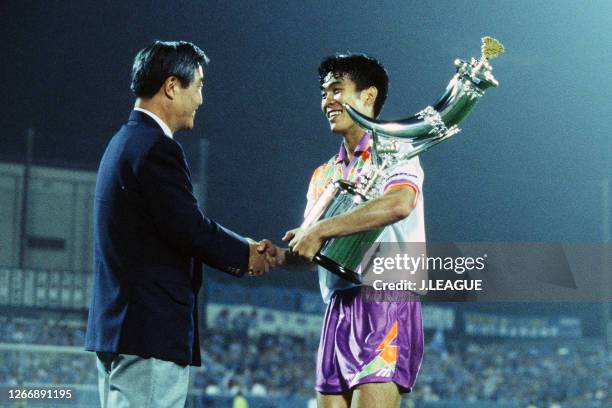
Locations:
{"points": [[383, 364], [385, 372]]}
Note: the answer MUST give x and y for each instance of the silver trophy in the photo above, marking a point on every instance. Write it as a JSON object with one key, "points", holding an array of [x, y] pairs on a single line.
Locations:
{"points": [[420, 132]]}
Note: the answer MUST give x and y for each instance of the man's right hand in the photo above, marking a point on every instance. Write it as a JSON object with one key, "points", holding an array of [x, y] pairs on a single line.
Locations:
{"points": [[264, 256], [258, 265], [274, 255]]}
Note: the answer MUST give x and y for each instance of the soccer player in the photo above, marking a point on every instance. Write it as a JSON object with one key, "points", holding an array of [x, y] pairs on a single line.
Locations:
{"points": [[370, 351]]}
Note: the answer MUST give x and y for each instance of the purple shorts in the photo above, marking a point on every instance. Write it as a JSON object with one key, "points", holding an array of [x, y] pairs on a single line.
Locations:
{"points": [[368, 341]]}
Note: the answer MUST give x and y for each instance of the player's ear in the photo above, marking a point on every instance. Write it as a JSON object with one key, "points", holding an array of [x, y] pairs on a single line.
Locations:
{"points": [[369, 95]]}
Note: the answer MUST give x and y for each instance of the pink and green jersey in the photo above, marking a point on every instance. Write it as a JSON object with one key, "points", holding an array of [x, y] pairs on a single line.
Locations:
{"points": [[407, 174]]}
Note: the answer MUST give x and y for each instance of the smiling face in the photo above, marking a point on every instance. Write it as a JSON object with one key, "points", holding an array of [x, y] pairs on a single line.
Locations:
{"points": [[188, 100], [338, 89]]}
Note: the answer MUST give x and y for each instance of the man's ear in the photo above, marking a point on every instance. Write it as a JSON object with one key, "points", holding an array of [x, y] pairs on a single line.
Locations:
{"points": [[369, 95], [170, 86]]}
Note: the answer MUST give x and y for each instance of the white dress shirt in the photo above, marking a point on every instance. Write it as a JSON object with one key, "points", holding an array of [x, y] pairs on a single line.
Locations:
{"points": [[157, 119]]}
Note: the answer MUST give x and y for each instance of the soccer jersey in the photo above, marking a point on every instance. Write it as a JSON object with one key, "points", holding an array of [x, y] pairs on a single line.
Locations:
{"points": [[405, 174]]}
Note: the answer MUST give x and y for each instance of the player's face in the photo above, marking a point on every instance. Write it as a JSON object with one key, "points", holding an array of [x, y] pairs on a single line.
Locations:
{"points": [[189, 100], [335, 91]]}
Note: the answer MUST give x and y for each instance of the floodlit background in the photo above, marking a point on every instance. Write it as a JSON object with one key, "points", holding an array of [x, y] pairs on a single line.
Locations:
{"points": [[532, 163]]}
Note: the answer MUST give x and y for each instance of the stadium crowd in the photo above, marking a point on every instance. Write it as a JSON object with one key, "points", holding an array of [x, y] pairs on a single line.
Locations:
{"points": [[236, 359], [542, 374]]}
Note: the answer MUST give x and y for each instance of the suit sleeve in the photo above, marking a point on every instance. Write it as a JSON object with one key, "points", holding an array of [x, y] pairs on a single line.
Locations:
{"points": [[167, 189]]}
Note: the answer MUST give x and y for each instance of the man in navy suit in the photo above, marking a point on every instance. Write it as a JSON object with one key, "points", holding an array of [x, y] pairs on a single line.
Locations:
{"points": [[150, 240]]}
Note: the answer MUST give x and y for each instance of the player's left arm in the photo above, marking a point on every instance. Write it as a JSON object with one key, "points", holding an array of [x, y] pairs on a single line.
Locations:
{"points": [[394, 205]]}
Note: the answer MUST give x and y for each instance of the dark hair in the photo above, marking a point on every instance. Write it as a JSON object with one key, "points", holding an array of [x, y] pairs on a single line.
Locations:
{"points": [[163, 59], [365, 71]]}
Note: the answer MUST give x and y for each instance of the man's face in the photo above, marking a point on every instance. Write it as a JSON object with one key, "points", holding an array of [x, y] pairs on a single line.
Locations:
{"points": [[188, 100], [336, 90]]}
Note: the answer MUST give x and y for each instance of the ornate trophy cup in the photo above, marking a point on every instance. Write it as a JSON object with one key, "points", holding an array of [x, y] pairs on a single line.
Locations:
{"points": [[394, 142]]}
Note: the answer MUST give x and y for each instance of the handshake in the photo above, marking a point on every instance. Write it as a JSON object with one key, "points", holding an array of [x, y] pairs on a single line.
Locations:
{"points": [[303, 245], [264, 256]]}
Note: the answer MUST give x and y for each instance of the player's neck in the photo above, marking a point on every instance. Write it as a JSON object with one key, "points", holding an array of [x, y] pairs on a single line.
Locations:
{"points": [[351, 139]]}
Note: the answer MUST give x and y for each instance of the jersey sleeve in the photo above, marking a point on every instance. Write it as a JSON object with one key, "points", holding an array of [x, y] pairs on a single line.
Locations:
{"points": [[406, 174]]}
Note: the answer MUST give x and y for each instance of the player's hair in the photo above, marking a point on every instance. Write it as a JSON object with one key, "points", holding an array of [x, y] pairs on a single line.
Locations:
{"points": [[163, 59], [365, 71]]}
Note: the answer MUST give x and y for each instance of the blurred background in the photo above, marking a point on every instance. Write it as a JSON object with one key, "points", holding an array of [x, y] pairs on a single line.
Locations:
{"points": [[532, 164]]}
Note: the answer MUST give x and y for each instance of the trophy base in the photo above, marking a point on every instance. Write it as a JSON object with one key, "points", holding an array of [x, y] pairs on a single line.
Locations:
{"points": [[341, 271]]}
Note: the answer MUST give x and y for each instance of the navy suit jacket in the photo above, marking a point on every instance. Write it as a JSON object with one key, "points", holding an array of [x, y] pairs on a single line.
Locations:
{"points": [[150, 240]]}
